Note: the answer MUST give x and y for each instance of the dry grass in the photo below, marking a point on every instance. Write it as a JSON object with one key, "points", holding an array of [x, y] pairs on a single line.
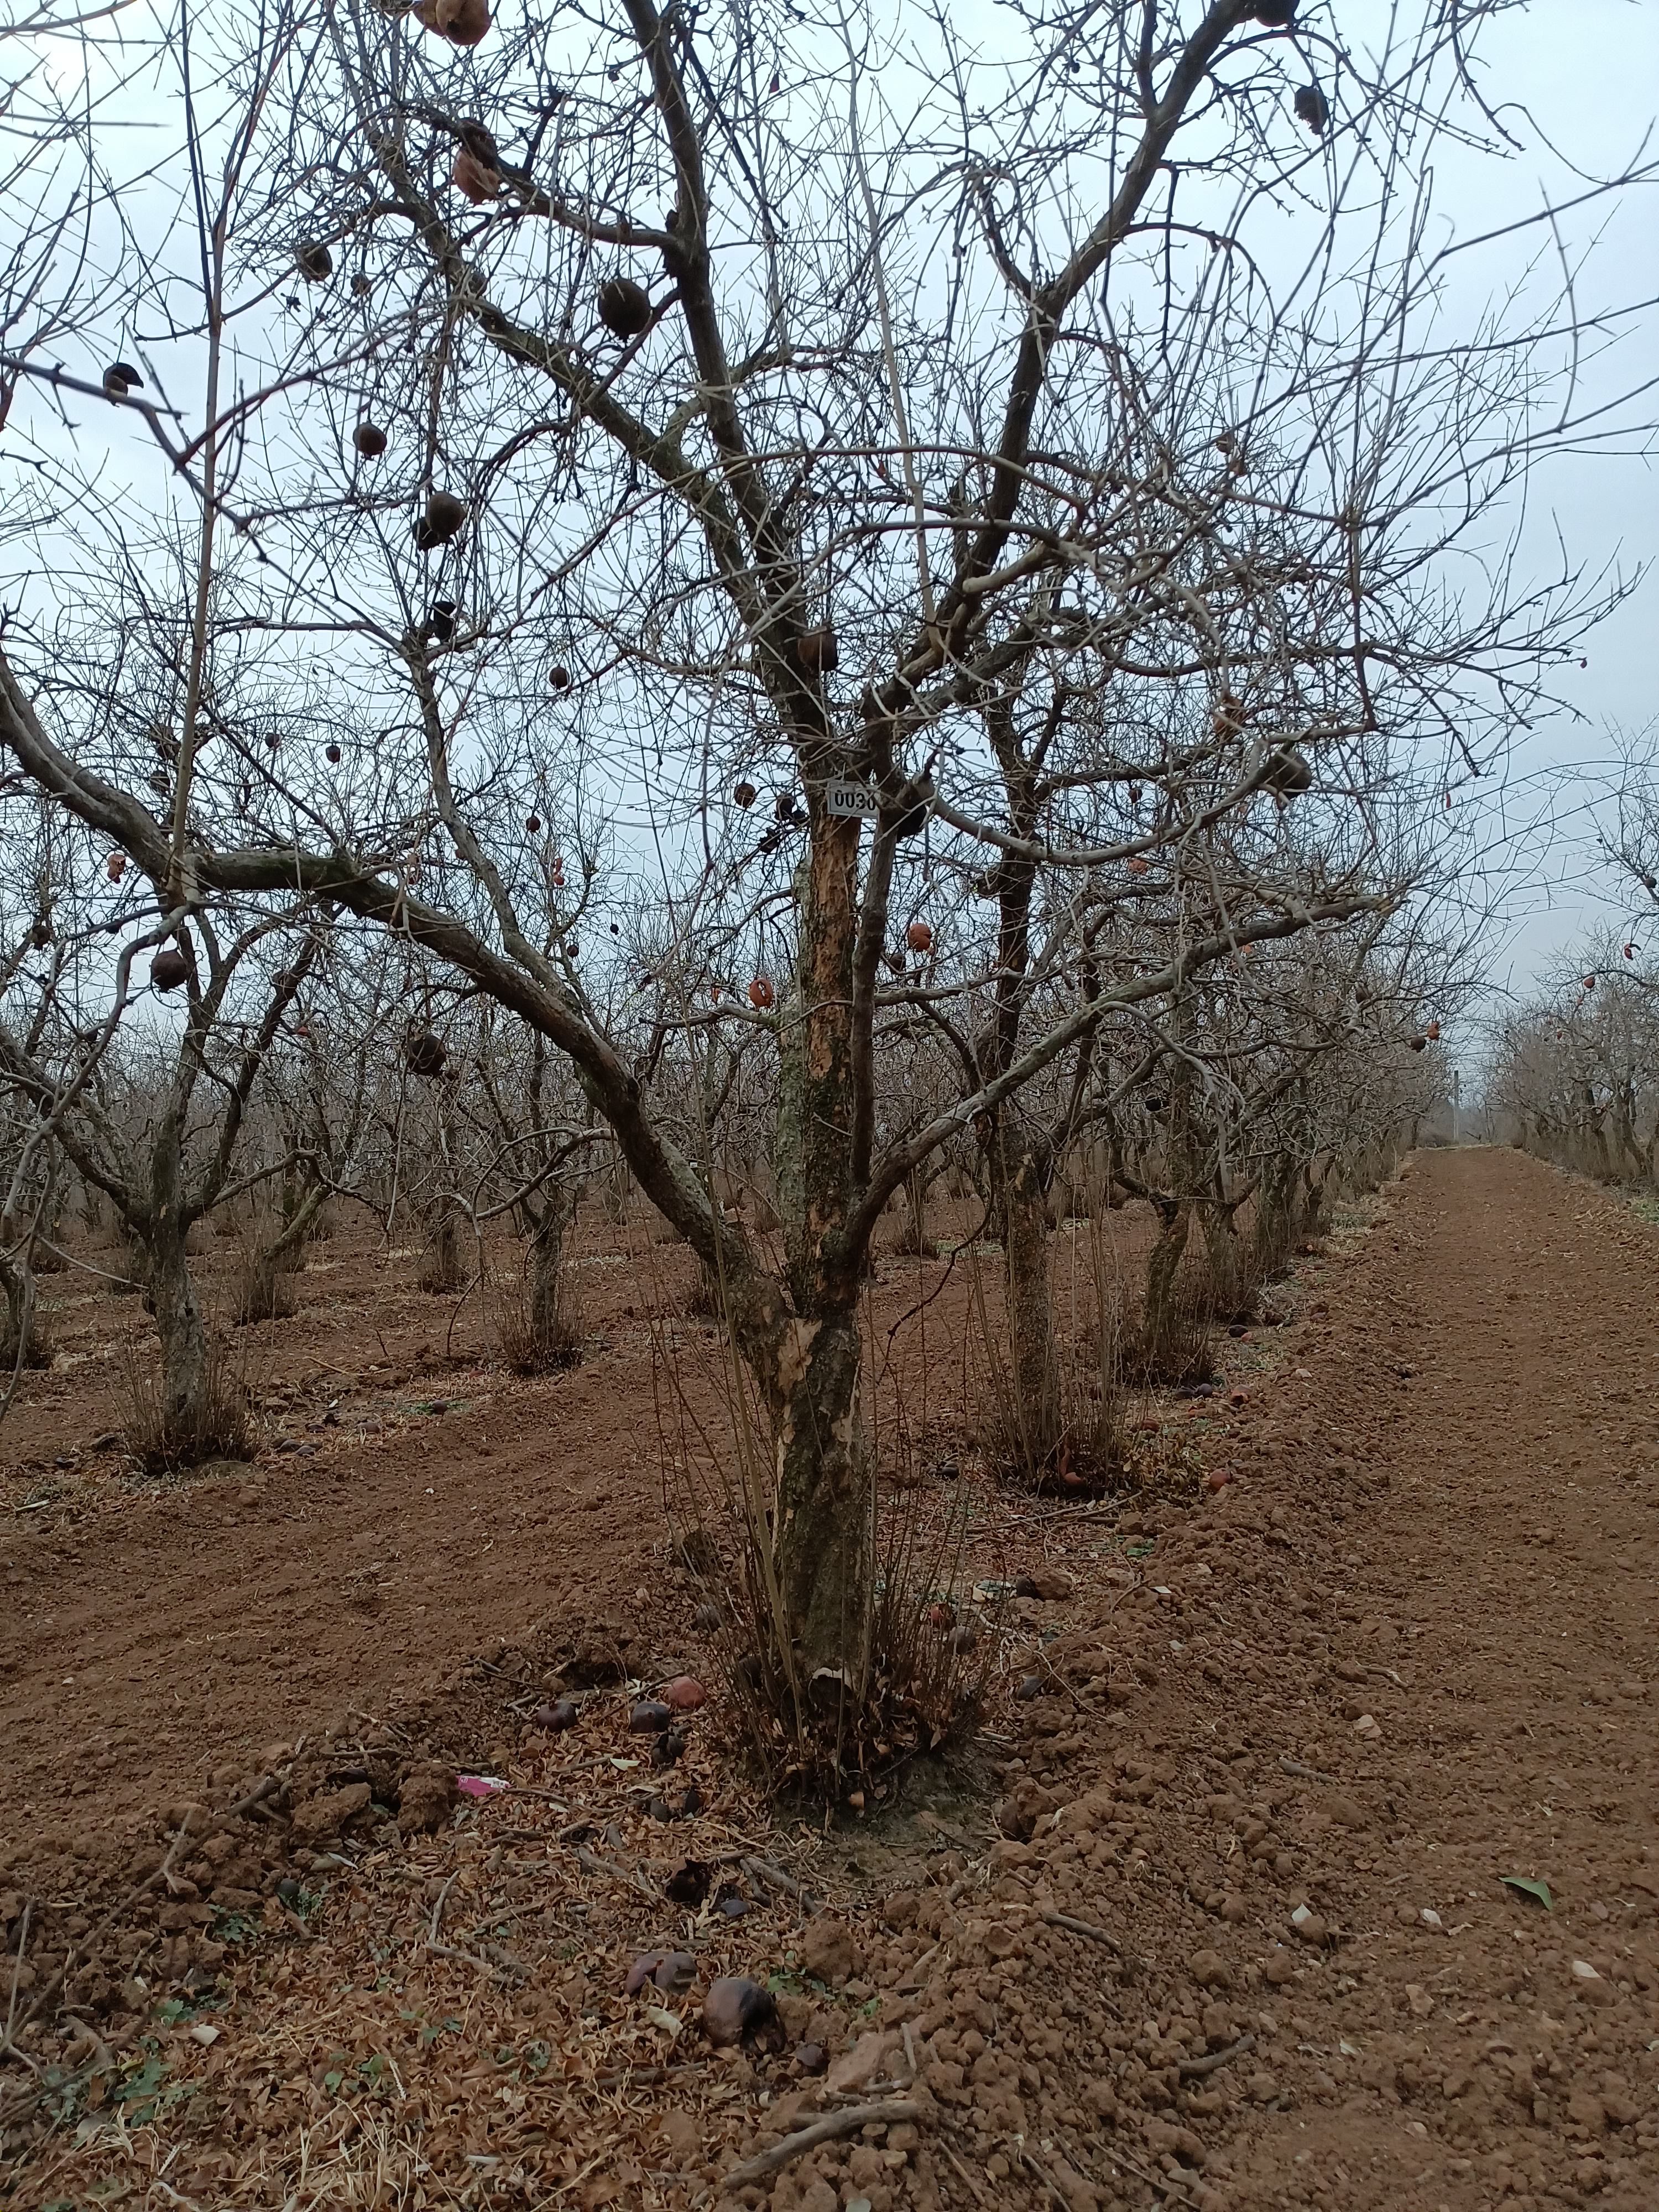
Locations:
{"points": [[534, 1338], [263, 1287], [223, 1427], [1086, 1452]]}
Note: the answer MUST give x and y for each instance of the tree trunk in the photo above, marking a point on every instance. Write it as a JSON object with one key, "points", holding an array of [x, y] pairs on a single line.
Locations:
{"points": [[171, 1296], [170, 1293], [22, 1344], [1228, 1274], [264, 1296], [807, 1363], [1174, 1224], [1273, 1227], [1314, 1192], [1022, 1183], [915, 1237], [547, 1269], [823, 1501], [443, 1270]]}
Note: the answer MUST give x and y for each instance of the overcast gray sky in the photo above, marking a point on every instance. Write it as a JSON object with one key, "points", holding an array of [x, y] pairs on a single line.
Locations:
{"points": [[1577, 80], [1587, 71]]}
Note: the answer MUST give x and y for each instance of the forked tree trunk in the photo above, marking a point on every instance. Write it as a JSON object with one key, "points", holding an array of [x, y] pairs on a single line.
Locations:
{"points": [[262, 1295]]}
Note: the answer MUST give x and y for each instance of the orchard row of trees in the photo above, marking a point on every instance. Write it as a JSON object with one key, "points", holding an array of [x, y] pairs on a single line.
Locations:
{"points": [[294, 1074], [1573, 1072], [846, 600]]}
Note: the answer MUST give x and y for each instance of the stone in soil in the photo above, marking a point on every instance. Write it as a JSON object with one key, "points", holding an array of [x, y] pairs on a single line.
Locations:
{"points": [[734, 2008]]}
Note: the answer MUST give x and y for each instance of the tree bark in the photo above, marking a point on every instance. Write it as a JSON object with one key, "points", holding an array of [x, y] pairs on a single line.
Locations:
{"points": [[178, 1324], [1173, 1225], [1227, 1270], [169, 1291], [22, 1343], [1021, 1174], [443, 1265], [262, 1295], [824, 1498], [547, 1267]]}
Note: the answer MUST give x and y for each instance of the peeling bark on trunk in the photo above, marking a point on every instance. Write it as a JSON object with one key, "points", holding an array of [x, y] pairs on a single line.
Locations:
{"points": [[808, 1363]]}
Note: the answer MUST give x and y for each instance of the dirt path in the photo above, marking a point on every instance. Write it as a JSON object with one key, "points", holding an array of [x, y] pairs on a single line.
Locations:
{"points": [[1480, 1575]]}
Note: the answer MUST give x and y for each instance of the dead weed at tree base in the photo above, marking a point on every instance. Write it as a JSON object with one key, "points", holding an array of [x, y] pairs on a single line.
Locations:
{"points": [[906, 1684], [219, 1426], [534, 1337]]}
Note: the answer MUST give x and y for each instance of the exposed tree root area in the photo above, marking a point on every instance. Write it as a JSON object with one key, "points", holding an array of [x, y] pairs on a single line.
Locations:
{"points": [[1215, 1916]]}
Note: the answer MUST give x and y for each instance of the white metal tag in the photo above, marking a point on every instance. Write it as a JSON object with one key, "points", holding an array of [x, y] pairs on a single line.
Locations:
{"points": [[844, 797]]}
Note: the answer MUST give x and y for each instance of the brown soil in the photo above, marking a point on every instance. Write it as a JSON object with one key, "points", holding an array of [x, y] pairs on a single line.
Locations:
{"points": [[1443, 1526], [410, 1501]]}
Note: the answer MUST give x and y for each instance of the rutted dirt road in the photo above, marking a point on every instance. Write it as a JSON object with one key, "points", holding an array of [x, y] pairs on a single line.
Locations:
{"points": [[1449, 1521]]}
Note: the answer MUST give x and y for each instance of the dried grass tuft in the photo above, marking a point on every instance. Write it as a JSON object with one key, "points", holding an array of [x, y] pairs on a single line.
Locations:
{"points": [[539, 1334], [221, 1428], [910, 1689], [263, 1284]]}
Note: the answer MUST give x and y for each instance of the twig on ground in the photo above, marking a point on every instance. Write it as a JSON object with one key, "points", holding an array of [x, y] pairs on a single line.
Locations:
{"points": [[471, 1958], [1190, 2068], [973, 2185], [437, 1911], [591, 1863], [1083, 1928], [890, 2112], [1047, 2181], [1162, 2182], [1302, 1773], [775, 1878]]}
